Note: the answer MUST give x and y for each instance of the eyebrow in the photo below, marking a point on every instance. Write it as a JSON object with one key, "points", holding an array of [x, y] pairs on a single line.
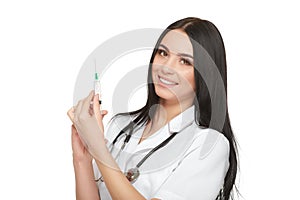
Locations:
{"points": [[179, 54]]}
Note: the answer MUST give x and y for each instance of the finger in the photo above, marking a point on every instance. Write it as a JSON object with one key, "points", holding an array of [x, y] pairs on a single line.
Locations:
{"points": [[87, 102], [91, 110], [76, 142], [78, 139], [77, 110], [103, 113], [96, 105], [70, 114]]}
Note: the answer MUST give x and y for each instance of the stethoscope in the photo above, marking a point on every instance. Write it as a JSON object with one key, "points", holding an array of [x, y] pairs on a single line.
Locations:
{"points": [[133, 173]]}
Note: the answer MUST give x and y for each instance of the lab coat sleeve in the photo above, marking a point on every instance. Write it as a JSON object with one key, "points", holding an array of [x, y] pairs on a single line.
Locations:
{"points": [[198, 176]]}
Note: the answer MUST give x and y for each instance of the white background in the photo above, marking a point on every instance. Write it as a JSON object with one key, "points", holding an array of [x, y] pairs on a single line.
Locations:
{"points": [[44, 43]]}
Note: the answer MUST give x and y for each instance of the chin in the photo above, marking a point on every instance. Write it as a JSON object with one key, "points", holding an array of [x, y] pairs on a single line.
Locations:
{"points": [[164, 93]]}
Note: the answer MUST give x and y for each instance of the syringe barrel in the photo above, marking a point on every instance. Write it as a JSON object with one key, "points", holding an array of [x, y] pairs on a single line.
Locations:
{"points": [[97, 88]]}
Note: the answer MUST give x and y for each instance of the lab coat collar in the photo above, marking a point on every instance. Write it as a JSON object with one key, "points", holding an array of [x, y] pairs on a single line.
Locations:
{"points": [[182, 120], [177, 124]]}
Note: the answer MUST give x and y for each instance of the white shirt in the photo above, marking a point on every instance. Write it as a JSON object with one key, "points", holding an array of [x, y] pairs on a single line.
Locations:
{"points": [[191, 166]]}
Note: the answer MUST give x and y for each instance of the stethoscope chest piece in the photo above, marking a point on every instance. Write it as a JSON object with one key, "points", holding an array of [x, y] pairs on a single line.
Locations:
{"points": [[132, 174]]}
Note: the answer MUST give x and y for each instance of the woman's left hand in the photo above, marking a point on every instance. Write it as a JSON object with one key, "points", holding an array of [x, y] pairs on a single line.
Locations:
{"points": [[88, 122]]}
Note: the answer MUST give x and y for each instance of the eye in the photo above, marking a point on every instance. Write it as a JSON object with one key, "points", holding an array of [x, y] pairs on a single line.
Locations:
{"points": [[185, 61], [162, 52]]}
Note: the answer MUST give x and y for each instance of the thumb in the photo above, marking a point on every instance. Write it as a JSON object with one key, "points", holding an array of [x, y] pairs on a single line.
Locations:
{"points": [[103, 113]]}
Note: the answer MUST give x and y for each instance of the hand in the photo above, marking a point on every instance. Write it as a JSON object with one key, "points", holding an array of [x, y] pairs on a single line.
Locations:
{"points": [[87, 119], [80, 153]]}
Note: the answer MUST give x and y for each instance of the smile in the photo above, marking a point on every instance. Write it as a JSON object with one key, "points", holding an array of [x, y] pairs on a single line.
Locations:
{"points": [[167, 82]]}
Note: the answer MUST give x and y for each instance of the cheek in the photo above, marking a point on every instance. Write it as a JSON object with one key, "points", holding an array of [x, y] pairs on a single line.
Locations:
{"points": [[153, 73], [154, 69], [155, 62], [190, 78], [155, 65]]}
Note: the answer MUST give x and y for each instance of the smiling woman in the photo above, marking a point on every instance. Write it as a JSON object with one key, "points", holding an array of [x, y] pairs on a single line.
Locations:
{"points": [[180, 144], [173, 71]]}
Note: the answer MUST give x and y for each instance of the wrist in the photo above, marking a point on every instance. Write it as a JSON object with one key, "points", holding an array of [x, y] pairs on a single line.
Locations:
{"points": [[100, 152], [82, 163]]}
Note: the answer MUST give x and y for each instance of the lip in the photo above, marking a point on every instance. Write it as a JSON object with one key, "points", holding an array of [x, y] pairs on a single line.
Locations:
{"points": [[167, 79]]}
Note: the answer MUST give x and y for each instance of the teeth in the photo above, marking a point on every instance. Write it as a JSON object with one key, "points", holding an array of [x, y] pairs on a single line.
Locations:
{"points": [[166, 82]]}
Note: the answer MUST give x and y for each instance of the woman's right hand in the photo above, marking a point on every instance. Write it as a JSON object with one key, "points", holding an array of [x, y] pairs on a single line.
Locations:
{"points": [[80, 153]]}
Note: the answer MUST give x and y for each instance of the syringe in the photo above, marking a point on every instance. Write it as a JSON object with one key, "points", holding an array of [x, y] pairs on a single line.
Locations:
{"points": [[97, 86]]}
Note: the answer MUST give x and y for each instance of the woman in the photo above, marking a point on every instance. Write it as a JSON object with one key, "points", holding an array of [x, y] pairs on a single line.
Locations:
{"points": [[182, 145]]}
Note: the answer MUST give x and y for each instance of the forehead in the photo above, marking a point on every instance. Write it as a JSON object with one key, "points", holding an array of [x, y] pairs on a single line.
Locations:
{"points": [[177, 41]]}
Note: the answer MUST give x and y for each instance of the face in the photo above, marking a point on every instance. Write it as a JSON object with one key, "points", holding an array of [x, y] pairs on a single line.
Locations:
{"points": [[173, 68]]}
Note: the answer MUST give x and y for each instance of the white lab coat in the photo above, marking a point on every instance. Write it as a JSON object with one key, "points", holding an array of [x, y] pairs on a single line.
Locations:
{"points": [[191, 166]]}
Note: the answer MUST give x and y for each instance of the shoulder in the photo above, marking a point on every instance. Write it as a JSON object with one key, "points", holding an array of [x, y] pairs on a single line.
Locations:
{"points": [[211, 142]]}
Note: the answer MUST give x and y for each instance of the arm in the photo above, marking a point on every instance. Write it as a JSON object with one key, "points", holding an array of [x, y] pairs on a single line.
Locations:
{"points": [[86, 187], [90, 128], [116, 182]]}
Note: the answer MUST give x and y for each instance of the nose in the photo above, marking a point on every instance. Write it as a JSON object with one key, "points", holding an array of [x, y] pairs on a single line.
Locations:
{"points": [[169, 65]]}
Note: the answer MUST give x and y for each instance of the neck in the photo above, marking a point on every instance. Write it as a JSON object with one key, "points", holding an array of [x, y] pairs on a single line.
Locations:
{"points": [[164, 112], [168, 110]]}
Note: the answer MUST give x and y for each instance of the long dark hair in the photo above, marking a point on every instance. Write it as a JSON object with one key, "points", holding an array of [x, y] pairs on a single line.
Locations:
{"points": [[210, 103]]}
